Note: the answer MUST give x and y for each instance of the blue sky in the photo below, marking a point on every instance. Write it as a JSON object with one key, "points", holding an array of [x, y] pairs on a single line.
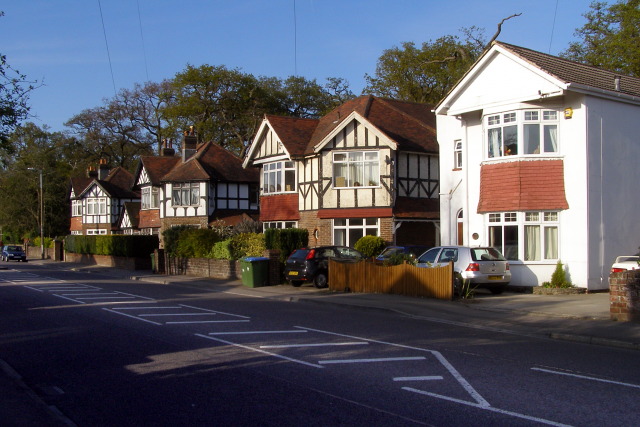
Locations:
{"points": [[62, 43]]}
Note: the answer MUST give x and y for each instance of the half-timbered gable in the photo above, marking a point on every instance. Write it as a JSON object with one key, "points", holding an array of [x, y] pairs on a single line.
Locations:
{"points": [[207, 185], [347, 178], [102, 200], [128, 222]]}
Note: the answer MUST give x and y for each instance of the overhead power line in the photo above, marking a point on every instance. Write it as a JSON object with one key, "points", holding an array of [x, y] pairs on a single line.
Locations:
{"points": [[104, 31]]}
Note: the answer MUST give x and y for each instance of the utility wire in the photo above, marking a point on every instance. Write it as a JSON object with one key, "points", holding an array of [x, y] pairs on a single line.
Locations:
{"points": [[104, 31], [295, 41], [553, 27], [144, 51]]}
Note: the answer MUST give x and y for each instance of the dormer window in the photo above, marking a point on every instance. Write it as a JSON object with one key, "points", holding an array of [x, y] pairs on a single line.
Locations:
{"points": [[523, 132], [353, 169], [279, 177]]}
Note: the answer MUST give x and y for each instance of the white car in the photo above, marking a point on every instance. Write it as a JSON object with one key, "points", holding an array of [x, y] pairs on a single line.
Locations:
{"points": [[481, 266], [625, 262]]}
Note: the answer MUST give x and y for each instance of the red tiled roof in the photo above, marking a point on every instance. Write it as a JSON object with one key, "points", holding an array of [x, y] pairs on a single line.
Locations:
{"points": [[157, 166], [279, 207], [293, 132], [522, 186]]}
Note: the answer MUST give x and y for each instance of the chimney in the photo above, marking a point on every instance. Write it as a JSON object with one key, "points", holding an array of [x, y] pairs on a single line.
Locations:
{"points": [[103, 169], [189, 143], [91, 172], [167, 149]]}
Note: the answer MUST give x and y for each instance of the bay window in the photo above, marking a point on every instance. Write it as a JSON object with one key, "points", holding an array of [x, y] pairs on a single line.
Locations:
{"points": [[150, 198], [523, 132], [278, 177], [356, 169], [347, 231], [530, 236], [185, 194], [96, 206]]}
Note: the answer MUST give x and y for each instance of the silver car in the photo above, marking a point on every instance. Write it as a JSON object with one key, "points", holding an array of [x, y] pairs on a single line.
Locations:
{"points": [[483, 267]]}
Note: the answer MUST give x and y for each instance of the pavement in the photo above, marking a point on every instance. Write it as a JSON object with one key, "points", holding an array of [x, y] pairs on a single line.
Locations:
{"points": [[580, 318]]}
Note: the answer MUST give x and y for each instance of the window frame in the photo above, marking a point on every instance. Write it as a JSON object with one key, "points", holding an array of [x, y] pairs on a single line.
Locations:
{"points": [[276, 176], [523, 122], [150, 198], [181, 189], [457, 154], [279, 224], [351, 227], [96, 206], [364, 169], [541, 226]]}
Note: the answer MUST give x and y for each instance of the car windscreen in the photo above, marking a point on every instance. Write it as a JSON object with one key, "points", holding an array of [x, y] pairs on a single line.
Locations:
{"points": [[389, 252], [299, 254], [14, 248], [486, 254]]}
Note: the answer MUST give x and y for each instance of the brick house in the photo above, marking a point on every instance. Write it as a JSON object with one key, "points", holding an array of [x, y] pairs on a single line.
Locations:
{"points": [[369, 167], [538, 158]]}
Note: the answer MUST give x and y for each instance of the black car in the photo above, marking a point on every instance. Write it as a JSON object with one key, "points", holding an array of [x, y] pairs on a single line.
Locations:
{"points": [[13, 252], [412, 250], [312, 264]]}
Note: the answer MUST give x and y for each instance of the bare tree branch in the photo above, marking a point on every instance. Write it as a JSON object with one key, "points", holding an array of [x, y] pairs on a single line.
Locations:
{"points": [[495, 36]]}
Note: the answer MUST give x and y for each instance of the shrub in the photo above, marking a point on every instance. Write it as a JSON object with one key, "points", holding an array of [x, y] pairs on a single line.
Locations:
{"points": [[370, 246], [558, 278], [196, 242], [170, 237], [114, 245], [247, 244], [400, 258], [286, 240], [221, 250], [247, 225]]}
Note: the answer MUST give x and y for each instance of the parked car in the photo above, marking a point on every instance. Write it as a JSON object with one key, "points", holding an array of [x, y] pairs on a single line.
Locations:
{"points": [[13, 252], [312, 264], [483, 267], [625, 262], [413, 250]]}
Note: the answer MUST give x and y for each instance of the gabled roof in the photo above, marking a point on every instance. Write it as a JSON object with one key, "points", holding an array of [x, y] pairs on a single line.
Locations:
{"points": [[211, 162], [117, 184], [575, 72], [132, 210], [79, 184], [156, 167], [410, 125], [569, 75]]}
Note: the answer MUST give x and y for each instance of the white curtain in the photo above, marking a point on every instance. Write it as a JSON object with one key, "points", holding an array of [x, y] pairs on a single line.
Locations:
{"points": [[532, 243], [551, 242], [551, 138], [495, 137]]}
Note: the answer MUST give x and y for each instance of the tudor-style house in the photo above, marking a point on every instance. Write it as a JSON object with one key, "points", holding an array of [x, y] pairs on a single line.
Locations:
{"points": [[369, 167], [207, 184], [539, 158], [97, 200]]}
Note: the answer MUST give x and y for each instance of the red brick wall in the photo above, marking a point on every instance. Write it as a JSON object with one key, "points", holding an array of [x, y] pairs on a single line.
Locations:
{"points": [[624, 296], [76, 223]]}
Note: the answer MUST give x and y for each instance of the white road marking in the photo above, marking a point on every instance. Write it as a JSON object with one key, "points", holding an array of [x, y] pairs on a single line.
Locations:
{"points": [[586, 378], [372, 360], [302, 362], [214, 311], [256, 332], [326, 344], [464, 383], [425, 378], [146, 308], [206, 321], [107, 298], [133, 317], [177, 314], [487, 408]]}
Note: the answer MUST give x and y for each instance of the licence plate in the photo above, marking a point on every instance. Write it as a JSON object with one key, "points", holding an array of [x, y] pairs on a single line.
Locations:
{"points": [[293, 273], [495, 277]]}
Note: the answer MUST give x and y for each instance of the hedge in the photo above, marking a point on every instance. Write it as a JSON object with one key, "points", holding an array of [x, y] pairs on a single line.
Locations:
{"points": [[113, 245]]}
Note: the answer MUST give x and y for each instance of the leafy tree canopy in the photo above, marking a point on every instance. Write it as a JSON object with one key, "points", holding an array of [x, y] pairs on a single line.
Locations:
{"points": [[610, 38], [425, 74]]}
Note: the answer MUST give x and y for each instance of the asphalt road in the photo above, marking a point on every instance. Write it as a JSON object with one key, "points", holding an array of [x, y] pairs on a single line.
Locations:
{"points": [[119, 352]]}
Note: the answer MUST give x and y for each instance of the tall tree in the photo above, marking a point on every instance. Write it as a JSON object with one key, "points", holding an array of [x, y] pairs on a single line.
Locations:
{"points": [[427, 73], [14, 94], [610, 38]]}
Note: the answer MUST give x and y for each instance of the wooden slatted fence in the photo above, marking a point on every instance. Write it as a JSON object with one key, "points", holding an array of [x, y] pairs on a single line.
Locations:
{"points": [[404, 279]]}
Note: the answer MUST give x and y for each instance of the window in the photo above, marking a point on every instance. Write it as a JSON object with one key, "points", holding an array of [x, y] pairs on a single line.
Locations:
{"points": [[524, 132], [457, 154], [150, 198], [346, 232], [531, 236], [186, 194], [96, 232], [76, 208], [96, 206], [279, 224], [278, 177], [356, 169]]}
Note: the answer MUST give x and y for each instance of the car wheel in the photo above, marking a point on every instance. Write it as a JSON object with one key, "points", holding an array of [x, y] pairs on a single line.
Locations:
{"points": [[321, 281], [295, 283], [497, 290]]}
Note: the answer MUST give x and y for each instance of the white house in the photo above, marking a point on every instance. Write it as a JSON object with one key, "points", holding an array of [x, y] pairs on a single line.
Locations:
{"points": [[539, 158]]}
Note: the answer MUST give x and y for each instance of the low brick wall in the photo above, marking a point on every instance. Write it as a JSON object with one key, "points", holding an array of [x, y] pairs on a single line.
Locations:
{"points": [[624, 296], [204, 267], [125, 263]]}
